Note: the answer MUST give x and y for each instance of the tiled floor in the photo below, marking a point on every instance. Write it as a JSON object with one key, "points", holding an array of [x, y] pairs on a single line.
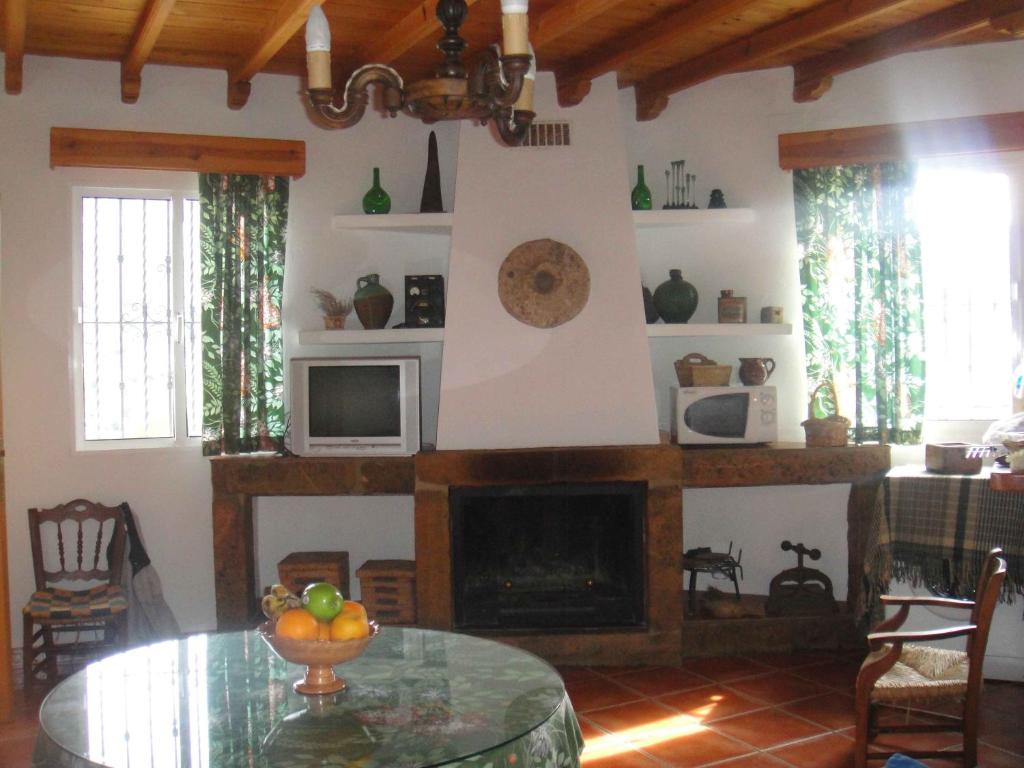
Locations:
{"points": [[761, 712]]}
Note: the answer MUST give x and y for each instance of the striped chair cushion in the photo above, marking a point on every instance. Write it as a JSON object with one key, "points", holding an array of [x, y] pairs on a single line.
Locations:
{"points": [[56, 604]]}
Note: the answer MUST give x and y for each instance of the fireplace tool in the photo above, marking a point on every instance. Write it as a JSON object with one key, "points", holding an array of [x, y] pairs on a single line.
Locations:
{"points": [[718, 564]]}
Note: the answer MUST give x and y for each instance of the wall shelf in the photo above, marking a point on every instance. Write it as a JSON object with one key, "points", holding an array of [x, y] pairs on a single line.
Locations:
{"points": [[412, 223], [383, 336], [693, 217], [668, 330]]}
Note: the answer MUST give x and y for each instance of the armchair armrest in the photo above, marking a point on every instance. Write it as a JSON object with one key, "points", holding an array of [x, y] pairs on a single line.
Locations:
{"points": [[940, 602], [877, 639]]}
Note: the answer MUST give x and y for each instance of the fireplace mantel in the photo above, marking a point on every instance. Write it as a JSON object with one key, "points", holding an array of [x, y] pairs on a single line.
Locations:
{"points": [[236, 479]]}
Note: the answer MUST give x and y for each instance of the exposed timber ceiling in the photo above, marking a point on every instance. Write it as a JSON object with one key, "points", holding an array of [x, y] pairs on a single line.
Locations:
{"points": [[658, 47]]}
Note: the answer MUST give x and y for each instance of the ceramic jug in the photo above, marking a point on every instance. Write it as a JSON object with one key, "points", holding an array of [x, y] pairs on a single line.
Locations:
{"points": [[755, 370], [675, 299], [373, 302]]}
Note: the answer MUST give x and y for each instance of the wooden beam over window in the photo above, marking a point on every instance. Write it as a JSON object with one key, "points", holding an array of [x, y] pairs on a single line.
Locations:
{"points": [[749, 52], [287, 20], [811, 78], [901, 141], [147, 30], [14, 44], [574, 78], [417, 25], [88, 148]]}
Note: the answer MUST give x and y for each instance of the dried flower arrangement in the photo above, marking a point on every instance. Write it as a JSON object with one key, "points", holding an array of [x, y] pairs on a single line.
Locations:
{"points": [[335, 310]]}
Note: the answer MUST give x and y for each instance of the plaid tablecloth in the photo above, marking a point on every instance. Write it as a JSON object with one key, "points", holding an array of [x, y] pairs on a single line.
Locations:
{"points": [[937, 529]]}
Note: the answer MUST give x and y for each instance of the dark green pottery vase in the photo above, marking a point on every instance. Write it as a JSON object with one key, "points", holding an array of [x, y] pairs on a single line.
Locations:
{"points": [[376, 200], [373, 302], [650, 312], [675, 299]]}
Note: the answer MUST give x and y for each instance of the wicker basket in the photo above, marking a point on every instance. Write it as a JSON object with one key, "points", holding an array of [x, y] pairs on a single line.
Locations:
{"points": [[302, 568], [829, 432], [695, 370], [388, 590]]}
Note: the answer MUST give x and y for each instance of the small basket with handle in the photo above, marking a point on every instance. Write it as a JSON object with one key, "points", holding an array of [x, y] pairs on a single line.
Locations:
{"points": [[828, 432], [696, 370]]}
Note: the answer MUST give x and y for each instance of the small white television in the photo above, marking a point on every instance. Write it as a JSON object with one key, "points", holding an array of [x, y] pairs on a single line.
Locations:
{"points": [[355, 406]]}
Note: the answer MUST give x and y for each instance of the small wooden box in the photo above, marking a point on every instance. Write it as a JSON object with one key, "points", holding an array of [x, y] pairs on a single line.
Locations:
{"points": [[302, 568], [389, 590], [950, 459]]}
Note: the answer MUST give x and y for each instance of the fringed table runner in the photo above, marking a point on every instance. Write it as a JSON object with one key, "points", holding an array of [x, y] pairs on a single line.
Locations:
{"points": [[937, 530]]}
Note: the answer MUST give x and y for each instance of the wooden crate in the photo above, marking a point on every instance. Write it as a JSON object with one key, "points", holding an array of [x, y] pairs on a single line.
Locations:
{"points": [[302, 568], [389, 590]]}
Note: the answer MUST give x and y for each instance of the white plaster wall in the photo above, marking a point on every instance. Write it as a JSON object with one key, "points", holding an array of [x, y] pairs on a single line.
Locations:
{"points": [[505, 384], [727, 131], [170, 489]]}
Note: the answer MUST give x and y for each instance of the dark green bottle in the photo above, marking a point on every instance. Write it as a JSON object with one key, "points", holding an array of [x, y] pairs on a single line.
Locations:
{"points": [[376, 200], [641, 197]]}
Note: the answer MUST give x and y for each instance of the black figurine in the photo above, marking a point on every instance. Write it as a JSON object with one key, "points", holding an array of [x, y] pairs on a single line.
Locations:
{"points": [[431, 200], [717, 199]]}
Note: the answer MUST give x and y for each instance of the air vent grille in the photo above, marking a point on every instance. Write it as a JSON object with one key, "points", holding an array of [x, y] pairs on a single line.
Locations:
{"points": [[548, 134]]}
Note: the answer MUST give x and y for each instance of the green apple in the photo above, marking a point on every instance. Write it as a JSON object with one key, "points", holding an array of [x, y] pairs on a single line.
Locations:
{"points": [[323, 600]]}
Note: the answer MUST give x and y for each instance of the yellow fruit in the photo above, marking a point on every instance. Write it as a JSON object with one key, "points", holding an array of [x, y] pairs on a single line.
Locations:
{"points": [[297, 624], [349, 626]]}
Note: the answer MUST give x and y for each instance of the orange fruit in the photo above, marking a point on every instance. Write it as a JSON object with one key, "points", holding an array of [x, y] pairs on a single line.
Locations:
{"points": [[349, 626], [297, 624], [323, 630], [352, 608]]}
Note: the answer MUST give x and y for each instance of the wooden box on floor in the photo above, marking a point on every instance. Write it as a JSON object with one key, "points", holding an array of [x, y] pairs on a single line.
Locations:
{"points": [[389, 590], [302, 568]]}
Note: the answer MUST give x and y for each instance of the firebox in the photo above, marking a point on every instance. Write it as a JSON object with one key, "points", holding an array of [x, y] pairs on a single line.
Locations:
{"points": [[548, 556]]}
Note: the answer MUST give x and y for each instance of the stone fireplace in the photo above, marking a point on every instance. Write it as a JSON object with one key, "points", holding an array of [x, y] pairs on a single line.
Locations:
{"points": [[560, 585], [561, 556]]}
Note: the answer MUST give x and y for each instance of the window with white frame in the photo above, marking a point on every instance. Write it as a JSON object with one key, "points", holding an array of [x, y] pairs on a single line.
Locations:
{"points": [[138, 374], [968, 216]]}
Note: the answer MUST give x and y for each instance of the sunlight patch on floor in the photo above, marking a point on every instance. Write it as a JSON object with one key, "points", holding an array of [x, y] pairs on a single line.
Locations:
{"points": [[646, 735]]}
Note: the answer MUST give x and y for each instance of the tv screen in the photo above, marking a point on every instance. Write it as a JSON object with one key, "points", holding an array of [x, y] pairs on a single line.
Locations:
{"points": [[355, 401]]}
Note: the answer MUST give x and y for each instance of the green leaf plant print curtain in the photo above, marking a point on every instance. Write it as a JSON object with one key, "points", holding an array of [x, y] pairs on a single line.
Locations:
{"points": [[860, 273], [242, 242]]}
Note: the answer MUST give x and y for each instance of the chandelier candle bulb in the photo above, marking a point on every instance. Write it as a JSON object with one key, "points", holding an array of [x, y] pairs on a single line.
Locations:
{"points": [[318, 49], [515, 26], [525, 101]]}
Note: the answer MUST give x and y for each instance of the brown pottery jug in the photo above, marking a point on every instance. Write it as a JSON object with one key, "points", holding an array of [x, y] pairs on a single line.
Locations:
{"points": [[755, 370]]}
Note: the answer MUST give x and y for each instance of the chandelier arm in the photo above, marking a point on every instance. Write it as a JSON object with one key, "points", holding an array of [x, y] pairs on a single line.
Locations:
{"points": [[513, 124], [356, 95], [502, 76]]}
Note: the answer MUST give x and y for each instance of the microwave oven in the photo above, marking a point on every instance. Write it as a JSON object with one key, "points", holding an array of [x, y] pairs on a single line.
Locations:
{"points": [[710, 415]]}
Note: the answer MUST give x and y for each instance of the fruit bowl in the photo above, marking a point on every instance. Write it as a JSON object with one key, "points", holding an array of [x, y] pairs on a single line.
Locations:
{"points": [[318, 656]]}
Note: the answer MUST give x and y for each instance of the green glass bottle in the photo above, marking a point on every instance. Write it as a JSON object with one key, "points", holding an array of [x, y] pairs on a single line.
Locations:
{"points": [[641, 197], [376, 200]]}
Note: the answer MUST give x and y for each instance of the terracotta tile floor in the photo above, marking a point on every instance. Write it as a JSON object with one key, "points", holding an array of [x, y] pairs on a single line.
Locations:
{"points": [[769, 711], [779, 711]]}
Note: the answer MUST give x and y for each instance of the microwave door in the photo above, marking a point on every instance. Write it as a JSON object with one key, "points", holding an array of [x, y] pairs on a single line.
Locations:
{"points": [[722, 416]]}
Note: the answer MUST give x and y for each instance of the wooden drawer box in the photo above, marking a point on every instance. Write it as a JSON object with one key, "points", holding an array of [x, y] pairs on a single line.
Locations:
{"points": [[389, 590], [302, 568]]}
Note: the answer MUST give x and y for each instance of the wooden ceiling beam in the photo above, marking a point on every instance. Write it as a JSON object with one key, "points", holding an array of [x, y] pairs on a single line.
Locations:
{"points": [[811, 77], [574, 78], [14, 44], [565, 16], [147, 30], [1011, 23], [288, 19], [748, 52], [417, 25]]}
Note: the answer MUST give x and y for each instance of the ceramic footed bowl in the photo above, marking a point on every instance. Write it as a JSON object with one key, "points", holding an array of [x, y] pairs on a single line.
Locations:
{"points": [[318, 656]]}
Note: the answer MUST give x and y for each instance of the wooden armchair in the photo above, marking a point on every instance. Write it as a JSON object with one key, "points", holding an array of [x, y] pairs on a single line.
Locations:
{"points": [[898, 673], [85, 541]]}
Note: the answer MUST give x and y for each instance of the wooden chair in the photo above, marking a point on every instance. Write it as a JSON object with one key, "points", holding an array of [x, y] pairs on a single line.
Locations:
{"points": [[899, 674], [86, 542]]}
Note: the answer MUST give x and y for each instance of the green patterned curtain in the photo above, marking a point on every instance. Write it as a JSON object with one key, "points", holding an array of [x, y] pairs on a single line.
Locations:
{"points": [[242, 242], [860, 273]]}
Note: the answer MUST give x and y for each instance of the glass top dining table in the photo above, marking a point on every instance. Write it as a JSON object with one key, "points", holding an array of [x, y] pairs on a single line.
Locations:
{"points": [[415, 698]]}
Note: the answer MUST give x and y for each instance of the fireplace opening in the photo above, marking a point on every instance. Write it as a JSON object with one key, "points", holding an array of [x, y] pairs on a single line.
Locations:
{"points": [[548, 556]]}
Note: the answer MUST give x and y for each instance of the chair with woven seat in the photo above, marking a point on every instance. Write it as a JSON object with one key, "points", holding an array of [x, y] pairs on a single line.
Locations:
{"points": [[898, 673], [85, 542]]}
